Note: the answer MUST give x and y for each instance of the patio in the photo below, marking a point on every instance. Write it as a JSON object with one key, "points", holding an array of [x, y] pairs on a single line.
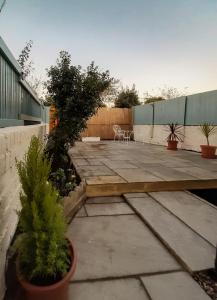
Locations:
{"points": [[128, 249], [114, 168]]}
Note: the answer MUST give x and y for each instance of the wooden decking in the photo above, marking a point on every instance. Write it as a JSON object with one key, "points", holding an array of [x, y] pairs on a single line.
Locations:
{"points": [[114, 168]]}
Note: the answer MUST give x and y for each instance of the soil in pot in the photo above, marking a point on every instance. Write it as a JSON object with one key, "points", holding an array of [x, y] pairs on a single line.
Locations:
{"points": [[54, 291], [208, 151], [172, 145], [208, 281]]}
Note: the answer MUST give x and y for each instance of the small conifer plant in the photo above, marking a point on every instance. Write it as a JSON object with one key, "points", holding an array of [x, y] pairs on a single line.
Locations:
{"points": [[43, 255]]}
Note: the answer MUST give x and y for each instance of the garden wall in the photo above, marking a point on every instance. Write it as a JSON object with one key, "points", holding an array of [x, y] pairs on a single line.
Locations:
{"points": [[149, 120], [14, 142]]}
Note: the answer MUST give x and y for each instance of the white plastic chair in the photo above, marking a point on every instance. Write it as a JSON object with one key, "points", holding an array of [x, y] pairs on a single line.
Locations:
{"points": [[118, 132]]}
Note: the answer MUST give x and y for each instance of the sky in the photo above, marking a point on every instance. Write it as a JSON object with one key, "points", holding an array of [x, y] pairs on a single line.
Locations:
{"points": [[151, 43]]}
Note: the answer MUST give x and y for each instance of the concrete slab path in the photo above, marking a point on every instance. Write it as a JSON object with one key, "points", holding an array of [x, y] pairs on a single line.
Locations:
{"points": [[121, 258], [192, 210], [195, 252]]}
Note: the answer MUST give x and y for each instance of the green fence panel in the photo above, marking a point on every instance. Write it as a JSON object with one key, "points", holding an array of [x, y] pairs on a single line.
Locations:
{"points": [[143, 114], [202, 108], [169, 111], [17, 100]]}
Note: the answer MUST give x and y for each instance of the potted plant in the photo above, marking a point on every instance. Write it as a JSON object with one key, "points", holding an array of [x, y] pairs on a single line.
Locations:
{"points": [[46, 259], [175, 136], [208, 151]]}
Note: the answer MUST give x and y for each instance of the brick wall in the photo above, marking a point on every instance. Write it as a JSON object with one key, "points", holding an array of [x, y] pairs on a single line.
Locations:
{"points": [[14, 142]]}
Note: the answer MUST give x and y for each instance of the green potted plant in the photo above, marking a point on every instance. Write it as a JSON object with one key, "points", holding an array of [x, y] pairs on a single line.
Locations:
{"points": [[46, 259], [207, 130], [175, 136]]}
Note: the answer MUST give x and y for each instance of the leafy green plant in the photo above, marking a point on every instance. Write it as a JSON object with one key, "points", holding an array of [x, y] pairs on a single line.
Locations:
{"points": [[41, 245], [127, 98], [76, 95], [65, 182], [175, 133], [207, 130]]}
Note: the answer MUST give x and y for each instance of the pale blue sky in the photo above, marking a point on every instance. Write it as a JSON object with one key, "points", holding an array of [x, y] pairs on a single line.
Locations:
{"points": [[149, 43]]}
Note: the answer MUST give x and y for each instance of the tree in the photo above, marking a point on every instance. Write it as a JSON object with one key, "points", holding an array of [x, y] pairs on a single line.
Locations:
{"points": [[76, 95], [127, 98], [2, 5], [28, 70], [172, 93], [152, 99], [165, 93], [23, 59], [111, 93]]}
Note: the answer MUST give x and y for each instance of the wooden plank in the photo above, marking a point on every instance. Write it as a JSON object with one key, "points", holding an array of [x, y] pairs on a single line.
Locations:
{"points": [[102, 123], [117, 189]]}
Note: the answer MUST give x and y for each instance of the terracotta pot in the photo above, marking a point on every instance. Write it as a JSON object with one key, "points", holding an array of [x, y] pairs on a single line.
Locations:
{"points": [[56, 291], [208, 151], [172, 145]]}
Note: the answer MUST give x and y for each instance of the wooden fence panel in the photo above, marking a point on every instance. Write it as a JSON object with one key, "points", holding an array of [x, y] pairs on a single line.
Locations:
{"points": [[101, 124]]}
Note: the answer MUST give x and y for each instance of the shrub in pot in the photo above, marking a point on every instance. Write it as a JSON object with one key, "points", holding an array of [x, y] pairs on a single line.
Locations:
{"points": [[175, 136], [208, 151], [46, 259]]}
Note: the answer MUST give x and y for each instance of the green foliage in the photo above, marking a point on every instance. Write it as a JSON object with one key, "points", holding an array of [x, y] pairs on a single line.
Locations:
{"points": [[208, 130], [127, 98], [76, 95], [23, 59], [42, 246], [175, 133], [65, 182], [152, 99]]}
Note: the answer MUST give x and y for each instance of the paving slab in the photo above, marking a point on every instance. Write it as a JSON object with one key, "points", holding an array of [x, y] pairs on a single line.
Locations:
{"points": [[198, 172], [81, 213], [80, 162], [195, 252], [137, 175], [110, 209], [112, 246], [121, 289], [195, 212], [120, 164], [114, 199], [87, 171], [170, 174], [174, 286]]}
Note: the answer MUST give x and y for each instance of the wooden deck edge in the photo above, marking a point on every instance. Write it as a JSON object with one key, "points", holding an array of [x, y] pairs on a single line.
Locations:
{"points": [[117, 189]]}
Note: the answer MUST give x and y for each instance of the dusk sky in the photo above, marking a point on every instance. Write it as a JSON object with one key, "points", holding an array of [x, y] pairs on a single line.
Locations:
{"points": [[150, 43]]}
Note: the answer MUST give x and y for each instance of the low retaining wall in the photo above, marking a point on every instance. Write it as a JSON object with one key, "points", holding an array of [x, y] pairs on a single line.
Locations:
{"points": [[14, 142], [157, 134]]}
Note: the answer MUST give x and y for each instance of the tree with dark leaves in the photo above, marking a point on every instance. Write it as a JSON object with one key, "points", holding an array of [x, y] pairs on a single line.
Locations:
{"points": [[127, 98], [76, 95]]}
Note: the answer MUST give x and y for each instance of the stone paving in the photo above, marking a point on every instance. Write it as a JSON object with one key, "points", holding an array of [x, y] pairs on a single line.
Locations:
{"points": [[142, 247], [113, 168]]}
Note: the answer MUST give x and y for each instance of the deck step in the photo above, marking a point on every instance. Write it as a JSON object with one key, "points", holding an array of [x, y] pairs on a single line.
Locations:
{"points": [[192, 210], [194, 252]]}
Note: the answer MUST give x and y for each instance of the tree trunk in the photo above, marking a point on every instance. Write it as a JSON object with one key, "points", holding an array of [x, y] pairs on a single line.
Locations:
{"points": [[216, 261]]}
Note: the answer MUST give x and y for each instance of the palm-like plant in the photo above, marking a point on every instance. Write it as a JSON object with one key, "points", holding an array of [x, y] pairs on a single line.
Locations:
{"points": [[207, 130], [175, 133]]}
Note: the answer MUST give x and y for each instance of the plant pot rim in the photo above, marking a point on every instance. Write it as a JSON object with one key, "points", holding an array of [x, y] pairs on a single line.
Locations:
{"points": [[208, 146], [29, 286]]}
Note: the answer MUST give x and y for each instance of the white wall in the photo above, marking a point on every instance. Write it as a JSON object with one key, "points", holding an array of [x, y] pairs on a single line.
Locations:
{"points": [[14, 142], [157, 134]]}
